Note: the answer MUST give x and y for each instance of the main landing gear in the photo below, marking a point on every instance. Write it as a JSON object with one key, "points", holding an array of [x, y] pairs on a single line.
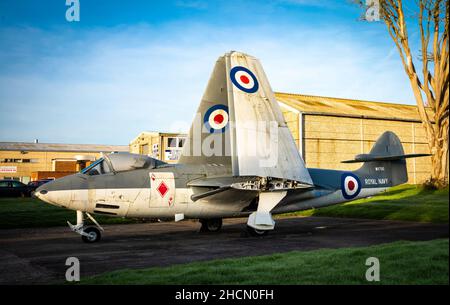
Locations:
{"points": [[211, 225], [255, 232], [215, 224], [261, 221], [89, 234]]}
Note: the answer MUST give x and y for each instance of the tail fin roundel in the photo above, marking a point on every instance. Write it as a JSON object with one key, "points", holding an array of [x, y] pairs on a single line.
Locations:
{"points": [[239, 124]]}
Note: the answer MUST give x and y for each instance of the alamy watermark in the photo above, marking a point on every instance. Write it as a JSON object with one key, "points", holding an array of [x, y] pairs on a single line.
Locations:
{"points": [[73, 10], [373, 272], [372, 10], [73, 272], [251, 140]]}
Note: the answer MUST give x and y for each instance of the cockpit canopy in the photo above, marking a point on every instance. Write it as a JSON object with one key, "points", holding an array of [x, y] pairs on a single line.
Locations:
{"points": [[120, 162]]}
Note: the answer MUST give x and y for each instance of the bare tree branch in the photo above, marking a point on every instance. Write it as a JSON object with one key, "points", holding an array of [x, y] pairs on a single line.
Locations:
{"points": [[431, 94]]}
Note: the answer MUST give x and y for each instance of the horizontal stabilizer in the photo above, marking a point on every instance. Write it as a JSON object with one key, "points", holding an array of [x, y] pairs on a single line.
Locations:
{"points": [[369, 157]]}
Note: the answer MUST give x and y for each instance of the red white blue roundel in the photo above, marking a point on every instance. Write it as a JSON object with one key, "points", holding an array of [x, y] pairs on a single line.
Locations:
{"points": [[350, 185], [244, 79], [216, 118]]}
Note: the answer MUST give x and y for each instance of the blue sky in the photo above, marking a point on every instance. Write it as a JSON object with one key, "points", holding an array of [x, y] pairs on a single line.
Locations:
{"points": [[143, 65]]}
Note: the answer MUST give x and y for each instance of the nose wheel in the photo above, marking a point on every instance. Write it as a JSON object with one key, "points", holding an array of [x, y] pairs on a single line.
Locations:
{"points": [[89, 234], [92, 235]]}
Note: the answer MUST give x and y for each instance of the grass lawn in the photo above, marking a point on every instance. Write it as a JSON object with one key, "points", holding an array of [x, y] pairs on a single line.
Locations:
{"points": [[404, 202], [30, 212], [400, 263]]}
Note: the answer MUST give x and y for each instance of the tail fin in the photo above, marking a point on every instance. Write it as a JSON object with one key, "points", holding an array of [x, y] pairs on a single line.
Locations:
{"points": [[239, 112], [386, 161]]}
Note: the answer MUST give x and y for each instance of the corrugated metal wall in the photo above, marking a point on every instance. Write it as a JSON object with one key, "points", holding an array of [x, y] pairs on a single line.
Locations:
{"points": [[328, 140]]}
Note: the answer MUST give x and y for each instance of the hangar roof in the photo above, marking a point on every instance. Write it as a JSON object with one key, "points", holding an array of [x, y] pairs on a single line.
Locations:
{"points": [[332, 106], [24, 146]]}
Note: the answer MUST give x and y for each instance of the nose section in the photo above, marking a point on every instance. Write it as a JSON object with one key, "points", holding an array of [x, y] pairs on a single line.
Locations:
{"points": [[57, 192], [46, 191], [40, 192]]}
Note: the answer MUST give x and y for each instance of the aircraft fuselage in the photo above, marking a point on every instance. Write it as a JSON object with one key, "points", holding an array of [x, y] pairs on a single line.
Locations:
{"points": [[163, 192]]}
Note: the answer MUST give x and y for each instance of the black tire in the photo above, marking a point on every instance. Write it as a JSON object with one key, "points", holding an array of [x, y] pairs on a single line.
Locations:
{"points": [[255, 232], [211, 225], [94, 235]]}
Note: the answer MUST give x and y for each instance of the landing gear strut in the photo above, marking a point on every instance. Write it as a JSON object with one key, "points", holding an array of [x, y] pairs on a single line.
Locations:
{"points": [[211, 225], [89, 234]]}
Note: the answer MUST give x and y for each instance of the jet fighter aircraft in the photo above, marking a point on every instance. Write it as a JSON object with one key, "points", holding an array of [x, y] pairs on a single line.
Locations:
{"points": [[239, 160]]}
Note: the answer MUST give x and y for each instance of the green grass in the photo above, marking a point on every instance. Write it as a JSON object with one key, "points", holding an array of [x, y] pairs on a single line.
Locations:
{"points": [[400, 263], [405, 202], [30, 212]]}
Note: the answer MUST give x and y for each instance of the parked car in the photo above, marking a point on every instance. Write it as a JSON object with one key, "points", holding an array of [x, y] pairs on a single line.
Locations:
{"points": [[13, 188], [33, 185]]}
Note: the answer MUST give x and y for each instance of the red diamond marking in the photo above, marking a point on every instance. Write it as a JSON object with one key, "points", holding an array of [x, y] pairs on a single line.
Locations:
{"points": [[162, 189]]}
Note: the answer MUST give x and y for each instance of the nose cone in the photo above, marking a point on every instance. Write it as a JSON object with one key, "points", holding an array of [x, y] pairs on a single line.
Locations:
{"points": [[57, 192], [41, 191]]}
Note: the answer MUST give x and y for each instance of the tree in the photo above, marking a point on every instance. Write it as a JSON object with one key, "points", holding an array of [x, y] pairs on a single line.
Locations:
{"points": [[431, 88]]}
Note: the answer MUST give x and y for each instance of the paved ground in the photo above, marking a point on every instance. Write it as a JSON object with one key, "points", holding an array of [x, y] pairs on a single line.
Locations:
{"points": [[32, 256]]}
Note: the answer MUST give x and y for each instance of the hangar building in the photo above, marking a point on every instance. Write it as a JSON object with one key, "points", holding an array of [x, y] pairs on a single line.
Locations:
{"points": [[330, 130], [327, 131], [163, 146], [33, 161]]}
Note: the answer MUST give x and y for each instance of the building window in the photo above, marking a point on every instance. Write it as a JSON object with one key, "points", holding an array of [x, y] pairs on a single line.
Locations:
{"points": [[172, 142], [175, 142], [155, 150], [19, 160], [173, 149]]}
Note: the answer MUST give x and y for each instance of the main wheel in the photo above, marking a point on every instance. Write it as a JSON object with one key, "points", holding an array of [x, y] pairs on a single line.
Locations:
{"points": [[211, 225], [255, 232], [94, 235]]}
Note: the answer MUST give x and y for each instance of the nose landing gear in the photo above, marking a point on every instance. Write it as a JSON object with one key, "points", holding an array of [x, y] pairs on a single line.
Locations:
{"points": [[89, 234]]}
